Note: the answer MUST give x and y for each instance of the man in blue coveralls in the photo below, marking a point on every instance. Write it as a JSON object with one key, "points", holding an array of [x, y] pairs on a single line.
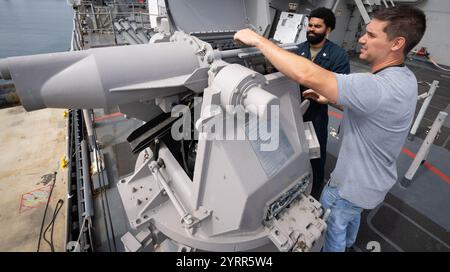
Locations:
{"points": [[330, 56]]}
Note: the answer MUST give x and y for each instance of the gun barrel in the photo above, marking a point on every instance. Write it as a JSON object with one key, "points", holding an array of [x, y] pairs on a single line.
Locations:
{"points": [[100, 78]]}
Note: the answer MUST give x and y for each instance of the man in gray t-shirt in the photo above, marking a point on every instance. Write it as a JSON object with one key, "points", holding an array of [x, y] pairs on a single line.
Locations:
{"points": [[378, 110]]}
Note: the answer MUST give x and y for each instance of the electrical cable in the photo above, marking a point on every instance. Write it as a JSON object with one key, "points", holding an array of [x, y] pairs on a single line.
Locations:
{"points": [[81, 230], [45, 211], [437, 65], [184, 157], [424, 52], [58, 207], [104, 201]]}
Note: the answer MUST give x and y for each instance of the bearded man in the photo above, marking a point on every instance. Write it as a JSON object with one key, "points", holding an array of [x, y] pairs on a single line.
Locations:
{"points": [[330, 56]]}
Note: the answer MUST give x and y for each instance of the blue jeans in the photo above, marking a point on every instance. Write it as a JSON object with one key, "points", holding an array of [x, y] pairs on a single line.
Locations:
{"points": [[343, 223]]}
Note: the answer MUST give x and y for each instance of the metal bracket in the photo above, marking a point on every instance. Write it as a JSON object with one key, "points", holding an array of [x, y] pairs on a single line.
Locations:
{"points": [[287, 198], [299, 227]]}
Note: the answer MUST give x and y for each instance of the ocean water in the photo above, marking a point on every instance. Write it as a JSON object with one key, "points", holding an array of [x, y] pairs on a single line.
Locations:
{"points": [[34, 26]]}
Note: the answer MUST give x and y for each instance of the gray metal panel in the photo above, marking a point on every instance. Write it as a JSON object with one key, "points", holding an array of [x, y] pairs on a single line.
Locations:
{"points": [[343, 16], [257, 12], [434, 39], [207, 15]]}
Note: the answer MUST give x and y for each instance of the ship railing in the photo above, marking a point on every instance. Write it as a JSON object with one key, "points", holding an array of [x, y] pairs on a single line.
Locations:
{"points": [[99, 21], [122, 7]]}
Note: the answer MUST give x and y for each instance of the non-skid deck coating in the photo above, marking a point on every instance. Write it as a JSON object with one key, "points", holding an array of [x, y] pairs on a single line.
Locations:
{"points": [[31, 146]]}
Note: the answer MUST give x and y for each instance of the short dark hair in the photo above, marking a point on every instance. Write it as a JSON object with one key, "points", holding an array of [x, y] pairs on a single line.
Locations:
{"points": [[326, 15], [403, 21]]}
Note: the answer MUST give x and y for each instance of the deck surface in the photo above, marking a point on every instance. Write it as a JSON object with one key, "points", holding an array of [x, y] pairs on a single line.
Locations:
{"points": [[31, 146]]}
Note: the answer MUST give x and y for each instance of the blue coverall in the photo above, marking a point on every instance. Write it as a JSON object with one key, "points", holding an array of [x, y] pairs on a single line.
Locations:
{"points": [[335, 59]]}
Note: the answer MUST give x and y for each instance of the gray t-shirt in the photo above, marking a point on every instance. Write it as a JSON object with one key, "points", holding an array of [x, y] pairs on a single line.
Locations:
{"points": [[379, 109]]}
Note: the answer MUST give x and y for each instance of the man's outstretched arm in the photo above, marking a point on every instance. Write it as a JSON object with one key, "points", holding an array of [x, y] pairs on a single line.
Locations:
{"points": [[299, 69]]}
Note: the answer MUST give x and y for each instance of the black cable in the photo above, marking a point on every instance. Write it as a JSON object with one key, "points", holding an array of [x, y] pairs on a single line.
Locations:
{"points": [[104, 201], [184, 158], [45, 212], [58, 207]]}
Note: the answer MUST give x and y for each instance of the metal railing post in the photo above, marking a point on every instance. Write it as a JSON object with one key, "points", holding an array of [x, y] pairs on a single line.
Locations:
{"points": [[424, 149], [423, 109]]}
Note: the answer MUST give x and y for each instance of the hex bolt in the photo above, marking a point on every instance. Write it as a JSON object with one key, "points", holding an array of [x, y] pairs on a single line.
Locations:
{"points": [[188, 219], [134, 190], [139, 202]]}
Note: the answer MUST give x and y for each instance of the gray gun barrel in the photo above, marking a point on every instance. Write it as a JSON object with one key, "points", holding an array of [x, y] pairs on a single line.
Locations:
{"points": [[250, 51], [127, 27], [139, 32], [102, 77], [128, 38]]}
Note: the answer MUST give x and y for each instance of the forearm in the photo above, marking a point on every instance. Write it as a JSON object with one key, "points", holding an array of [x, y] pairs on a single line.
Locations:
{"points": [[299, 69]]}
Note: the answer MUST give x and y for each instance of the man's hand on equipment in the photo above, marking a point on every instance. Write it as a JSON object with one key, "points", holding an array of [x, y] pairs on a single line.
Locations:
{"points": [[247, 36], [311, 94], [297, 68]]}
